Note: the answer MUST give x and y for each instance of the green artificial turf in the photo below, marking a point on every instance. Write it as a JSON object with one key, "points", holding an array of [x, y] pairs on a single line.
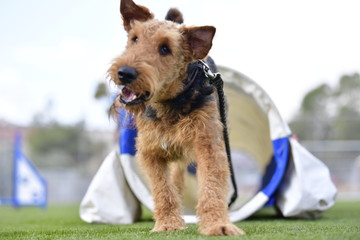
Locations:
{"points": [[63, 222]]}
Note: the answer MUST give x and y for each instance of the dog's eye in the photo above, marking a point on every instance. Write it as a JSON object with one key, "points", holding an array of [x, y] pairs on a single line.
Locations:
{"points": [[164, 50], [135, 39]]}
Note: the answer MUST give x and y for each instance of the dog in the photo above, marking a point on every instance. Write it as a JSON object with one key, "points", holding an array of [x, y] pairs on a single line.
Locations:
{"points": [[176, 115]]}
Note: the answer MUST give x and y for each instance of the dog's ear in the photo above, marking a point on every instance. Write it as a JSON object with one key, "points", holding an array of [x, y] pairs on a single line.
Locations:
{"points": [[174, 15], [130, 11], [199, 40]]}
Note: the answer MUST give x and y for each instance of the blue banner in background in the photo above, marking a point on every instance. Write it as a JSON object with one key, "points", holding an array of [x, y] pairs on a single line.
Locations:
{"points": [[29, 187]]}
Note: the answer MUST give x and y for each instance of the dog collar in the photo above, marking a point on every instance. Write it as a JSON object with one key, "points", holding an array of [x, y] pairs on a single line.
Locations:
{"points": [[196, 92]]}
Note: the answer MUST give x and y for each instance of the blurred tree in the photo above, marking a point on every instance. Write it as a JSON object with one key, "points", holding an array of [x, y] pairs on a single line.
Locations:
{"points": [[311, 121], [330, 113], [101, 91], [316, 100], [56, 145]]}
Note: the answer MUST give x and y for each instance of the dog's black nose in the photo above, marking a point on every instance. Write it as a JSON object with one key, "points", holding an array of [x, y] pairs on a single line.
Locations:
{"points": [[127, 74]]}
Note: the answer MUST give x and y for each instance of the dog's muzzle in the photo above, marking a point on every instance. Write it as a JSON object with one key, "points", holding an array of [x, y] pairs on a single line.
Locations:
{"points": [[127, 96]]}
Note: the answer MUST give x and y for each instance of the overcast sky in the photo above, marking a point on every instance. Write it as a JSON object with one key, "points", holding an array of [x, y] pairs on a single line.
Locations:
{"points": [[57, 51]]}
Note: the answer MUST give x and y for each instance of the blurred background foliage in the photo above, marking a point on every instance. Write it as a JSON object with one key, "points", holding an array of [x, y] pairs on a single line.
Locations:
{"points": [[55, 144], [330, 113]]}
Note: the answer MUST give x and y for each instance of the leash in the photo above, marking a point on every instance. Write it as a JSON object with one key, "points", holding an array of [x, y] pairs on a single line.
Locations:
{"points": [[216, 80]]}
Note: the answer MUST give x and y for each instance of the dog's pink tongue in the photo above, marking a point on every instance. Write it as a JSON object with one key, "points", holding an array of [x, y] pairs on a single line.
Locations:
{"points": [[128, 95]]}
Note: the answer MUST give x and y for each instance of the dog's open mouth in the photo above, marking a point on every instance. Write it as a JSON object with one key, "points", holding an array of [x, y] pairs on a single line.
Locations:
{"points": [[129, 97]]}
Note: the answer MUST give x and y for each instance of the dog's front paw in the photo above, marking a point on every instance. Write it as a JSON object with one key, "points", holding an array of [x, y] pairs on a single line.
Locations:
{"points": [[221, 229], [169, 226]]}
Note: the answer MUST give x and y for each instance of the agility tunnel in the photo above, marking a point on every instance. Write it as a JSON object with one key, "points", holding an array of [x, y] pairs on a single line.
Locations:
{"points": [[270, 167]]}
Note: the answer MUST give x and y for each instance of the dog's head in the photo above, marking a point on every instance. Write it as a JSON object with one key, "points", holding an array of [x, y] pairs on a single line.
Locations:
{"points": [[153, 65]]}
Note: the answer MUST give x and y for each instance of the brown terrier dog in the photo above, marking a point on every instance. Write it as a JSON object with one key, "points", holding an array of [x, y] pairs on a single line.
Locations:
{"points": [[176, 115]]}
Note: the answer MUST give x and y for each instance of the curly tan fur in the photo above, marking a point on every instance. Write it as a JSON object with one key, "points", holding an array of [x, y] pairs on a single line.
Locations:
{"points": [[163, 141]]}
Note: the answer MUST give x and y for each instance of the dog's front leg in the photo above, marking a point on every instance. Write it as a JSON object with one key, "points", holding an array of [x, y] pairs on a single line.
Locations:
{"points": [[213, 173], [167, 212]]}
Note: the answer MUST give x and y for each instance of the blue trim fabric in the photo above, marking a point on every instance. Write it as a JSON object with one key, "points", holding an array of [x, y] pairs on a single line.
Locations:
{"points": [[192, 168], [276, 169], [128, 134]]}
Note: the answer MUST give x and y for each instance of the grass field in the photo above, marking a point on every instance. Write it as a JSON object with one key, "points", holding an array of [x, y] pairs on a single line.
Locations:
{"points": [[63, 222]]}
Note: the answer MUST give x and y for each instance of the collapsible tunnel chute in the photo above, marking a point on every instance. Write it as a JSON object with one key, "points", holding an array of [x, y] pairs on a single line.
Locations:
{"points": [[269, 166]]}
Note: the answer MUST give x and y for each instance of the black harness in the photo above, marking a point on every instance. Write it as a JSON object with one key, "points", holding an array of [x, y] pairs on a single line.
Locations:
{"points": [[196, 92]]}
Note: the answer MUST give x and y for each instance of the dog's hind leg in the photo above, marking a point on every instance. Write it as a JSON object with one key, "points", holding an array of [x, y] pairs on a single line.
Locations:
{"points": [[167, 212], [178, 175]]}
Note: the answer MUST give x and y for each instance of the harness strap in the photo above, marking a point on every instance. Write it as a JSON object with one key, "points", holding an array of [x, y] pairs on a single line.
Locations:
{"points": [[216, 80]]}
